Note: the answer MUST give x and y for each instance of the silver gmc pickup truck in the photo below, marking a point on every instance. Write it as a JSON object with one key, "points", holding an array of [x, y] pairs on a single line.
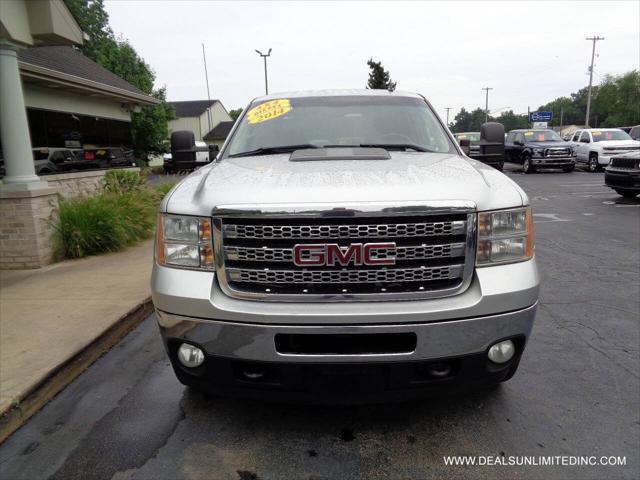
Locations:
{"points": [[343, 247]]}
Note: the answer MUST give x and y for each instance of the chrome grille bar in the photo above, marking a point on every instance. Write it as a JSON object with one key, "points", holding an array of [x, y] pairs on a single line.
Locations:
{"points": [[301, 232], [344, 276], [411, 252]]}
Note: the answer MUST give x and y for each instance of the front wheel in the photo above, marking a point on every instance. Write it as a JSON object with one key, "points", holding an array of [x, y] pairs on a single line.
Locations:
{"points": [[500, 166], [627, 193], [594, 166], [527, 166]]}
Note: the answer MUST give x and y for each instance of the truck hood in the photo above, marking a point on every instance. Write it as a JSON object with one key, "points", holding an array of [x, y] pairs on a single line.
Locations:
{"points": [[407, 176], [617, 143], [548, 144]]}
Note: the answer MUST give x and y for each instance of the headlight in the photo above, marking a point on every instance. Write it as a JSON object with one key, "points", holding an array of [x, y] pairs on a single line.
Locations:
{"points": [[504, 236], [538, 152], [184, 242]]}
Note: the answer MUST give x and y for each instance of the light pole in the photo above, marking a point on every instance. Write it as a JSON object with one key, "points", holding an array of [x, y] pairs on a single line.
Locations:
{"points": [[486, 105], [447, 109], [593, 54], [265, 55]]}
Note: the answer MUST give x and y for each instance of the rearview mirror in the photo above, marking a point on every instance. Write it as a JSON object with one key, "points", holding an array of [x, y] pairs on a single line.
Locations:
{"points": [[465, 145]]}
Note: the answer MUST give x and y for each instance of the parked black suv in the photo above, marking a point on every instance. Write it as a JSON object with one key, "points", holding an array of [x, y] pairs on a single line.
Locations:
{"points": [[538, 148]]}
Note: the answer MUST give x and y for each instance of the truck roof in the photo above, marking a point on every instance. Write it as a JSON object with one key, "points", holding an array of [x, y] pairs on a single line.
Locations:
{"points": [[336, 93]]}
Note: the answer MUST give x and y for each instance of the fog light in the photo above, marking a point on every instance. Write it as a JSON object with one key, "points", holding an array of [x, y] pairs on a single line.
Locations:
{"points": [[190, 356], [502, 352]]}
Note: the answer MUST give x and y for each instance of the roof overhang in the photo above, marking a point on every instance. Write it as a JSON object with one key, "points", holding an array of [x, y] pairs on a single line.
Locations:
{"points": [[54, 79]]}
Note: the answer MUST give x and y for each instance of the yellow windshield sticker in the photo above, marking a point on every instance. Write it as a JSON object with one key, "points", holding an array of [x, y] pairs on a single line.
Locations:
{"points": [[596, 133], [101, 152], [462, 136], [528, 134], [269, 110]]}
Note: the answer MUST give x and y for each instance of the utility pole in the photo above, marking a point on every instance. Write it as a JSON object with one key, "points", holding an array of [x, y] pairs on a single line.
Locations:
{"points": [[486, 106], [447, 109], [561, 115], [265, 55], [593, 54], [206, 76]]}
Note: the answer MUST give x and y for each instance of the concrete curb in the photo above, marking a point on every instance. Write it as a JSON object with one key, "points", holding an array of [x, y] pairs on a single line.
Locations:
{"points": [[41, 393]]}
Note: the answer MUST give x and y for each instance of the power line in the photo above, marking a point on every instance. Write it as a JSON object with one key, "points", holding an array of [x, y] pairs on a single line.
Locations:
{"points": [[593, 54]]}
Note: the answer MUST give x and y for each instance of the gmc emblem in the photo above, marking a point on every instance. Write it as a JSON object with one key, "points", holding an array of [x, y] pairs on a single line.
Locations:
{"points": [[330, 254]]}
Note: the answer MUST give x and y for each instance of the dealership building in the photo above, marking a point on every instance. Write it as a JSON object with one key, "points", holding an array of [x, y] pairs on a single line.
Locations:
{"points": [[50, 96]]}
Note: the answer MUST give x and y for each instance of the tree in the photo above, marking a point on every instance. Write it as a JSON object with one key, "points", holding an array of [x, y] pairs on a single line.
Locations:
{"points": [[235, 113], [149, 127], [512, 120], [379, 78], [466, 121]]}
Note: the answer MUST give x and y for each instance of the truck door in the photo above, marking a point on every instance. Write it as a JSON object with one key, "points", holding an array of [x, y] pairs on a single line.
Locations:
{"points": [[583, 147]]}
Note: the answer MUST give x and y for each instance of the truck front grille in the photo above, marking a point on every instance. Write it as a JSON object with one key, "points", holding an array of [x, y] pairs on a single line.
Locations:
{"points": [[557, 152], [626, 163], [434, 256]]}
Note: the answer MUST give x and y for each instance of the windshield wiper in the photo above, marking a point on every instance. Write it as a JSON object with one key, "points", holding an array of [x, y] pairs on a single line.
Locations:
{"points": [[396, 146], [273, 150]]}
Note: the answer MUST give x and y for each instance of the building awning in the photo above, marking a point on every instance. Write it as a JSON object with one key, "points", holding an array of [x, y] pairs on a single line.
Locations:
{"points": [[67, 68]]}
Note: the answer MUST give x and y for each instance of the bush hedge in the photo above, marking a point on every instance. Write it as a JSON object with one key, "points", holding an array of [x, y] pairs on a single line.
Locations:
{"points": [[121, 215]]}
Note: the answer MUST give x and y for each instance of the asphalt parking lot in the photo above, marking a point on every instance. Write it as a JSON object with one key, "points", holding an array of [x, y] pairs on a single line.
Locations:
{"points": [[576, 392]]}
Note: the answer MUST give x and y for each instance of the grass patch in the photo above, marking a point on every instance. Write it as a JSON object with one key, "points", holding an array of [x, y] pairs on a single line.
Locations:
{"points": [[123, 214]]}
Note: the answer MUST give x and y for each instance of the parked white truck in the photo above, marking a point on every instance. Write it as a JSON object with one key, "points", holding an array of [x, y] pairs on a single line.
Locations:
{"points": [[594, 147], [342, 247]]}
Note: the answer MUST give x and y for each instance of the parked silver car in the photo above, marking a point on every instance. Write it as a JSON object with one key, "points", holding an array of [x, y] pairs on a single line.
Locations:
{"points": [[341, 247]]}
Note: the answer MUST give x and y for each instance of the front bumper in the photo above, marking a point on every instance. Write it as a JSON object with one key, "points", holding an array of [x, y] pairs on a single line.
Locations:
{"points": [[553, 162], [622, 180], [458, 347]]}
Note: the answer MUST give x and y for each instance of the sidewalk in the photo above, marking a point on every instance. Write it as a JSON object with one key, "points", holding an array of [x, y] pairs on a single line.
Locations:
{"points": [[48, 316]]}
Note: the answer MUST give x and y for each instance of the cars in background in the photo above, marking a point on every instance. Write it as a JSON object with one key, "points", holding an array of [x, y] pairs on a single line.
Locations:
{"points": [[594, 147], [51, 160], [107, 157], [473, 137], [634, 132], [538, 148], [187, 157], [623, 174]]}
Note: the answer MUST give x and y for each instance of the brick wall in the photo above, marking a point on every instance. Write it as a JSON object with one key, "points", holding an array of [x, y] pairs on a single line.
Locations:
{"points": [[26, 228], [73, 184]]}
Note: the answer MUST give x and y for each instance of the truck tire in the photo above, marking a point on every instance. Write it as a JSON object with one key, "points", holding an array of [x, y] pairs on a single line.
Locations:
{"points": [[593, 164], [527, 166], [627, 193], [500, 166]]}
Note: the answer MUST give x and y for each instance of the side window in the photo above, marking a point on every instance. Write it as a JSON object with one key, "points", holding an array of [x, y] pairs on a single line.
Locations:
{"points": [[520, 138], [510, 137], [585, 137], [576, 136], [56, 157]]}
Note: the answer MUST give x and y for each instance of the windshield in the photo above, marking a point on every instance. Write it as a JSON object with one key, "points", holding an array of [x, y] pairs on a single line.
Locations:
{"points": [[542, 136], [339, 121], [600, 135], [472, 137]]}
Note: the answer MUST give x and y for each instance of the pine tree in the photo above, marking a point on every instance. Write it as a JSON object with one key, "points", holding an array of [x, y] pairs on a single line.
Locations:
{"points": [[379, 77]]}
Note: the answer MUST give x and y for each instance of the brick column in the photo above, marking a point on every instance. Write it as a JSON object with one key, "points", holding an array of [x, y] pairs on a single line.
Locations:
{"points": [[27, 235]]}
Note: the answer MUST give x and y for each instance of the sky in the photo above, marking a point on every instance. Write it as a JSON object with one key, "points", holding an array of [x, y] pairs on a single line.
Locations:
{"points": [[528, 52]]}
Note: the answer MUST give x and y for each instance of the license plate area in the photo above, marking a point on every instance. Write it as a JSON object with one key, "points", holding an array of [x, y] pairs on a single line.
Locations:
{"points": [[345, 344]]}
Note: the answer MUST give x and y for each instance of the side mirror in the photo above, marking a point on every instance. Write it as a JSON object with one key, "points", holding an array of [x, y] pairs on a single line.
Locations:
{"points": [[465, 145], [518, 142], [585, 140], [213, 152]]}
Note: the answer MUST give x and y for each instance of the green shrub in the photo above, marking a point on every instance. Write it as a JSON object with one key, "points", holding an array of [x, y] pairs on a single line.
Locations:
{"points": [[121, 216], [122, 181]]}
